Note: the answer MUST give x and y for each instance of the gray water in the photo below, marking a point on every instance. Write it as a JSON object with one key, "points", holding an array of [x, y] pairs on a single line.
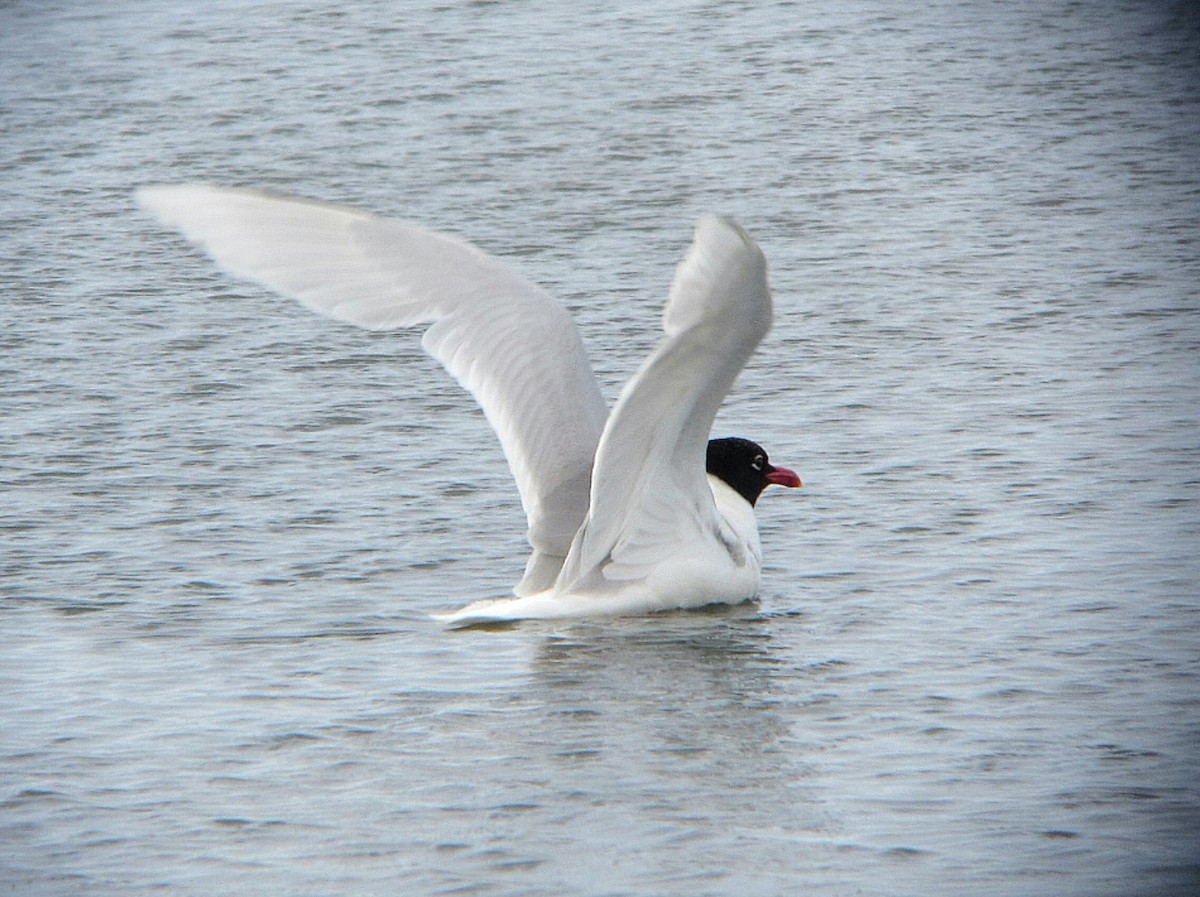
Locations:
{"points": [[975, 665]]}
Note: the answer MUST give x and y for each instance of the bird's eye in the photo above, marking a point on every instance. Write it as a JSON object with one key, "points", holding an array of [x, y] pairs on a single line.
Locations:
{"points": [[758, 462]]}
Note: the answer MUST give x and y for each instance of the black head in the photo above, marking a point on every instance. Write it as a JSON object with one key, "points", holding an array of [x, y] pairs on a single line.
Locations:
{"points": [[745, 467]]}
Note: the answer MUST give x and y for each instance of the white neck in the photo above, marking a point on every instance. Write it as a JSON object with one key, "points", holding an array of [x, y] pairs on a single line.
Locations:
{"points": [[738, 515]]}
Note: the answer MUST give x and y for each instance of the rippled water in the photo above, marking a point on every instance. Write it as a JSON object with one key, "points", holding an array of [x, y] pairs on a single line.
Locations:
{"points": [[974, 665]]}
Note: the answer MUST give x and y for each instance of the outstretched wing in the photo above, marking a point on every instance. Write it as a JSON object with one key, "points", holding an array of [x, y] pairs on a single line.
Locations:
{"points": [[502, 337], [650, 492]]}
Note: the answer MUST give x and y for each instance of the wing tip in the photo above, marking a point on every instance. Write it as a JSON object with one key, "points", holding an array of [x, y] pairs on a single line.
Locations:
{"points": [[164, 201], [716, 230], [154, 198], [723, 265]]}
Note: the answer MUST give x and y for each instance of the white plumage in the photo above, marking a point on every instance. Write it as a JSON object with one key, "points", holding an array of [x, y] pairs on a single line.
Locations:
{"points": [[622, 515]]}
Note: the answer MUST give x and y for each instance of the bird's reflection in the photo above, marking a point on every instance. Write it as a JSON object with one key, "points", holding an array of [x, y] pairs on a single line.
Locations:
{"points": [[682, 707]]}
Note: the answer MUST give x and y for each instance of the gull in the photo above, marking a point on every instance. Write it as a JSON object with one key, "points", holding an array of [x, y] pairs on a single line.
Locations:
{"points": [[630, 511]]}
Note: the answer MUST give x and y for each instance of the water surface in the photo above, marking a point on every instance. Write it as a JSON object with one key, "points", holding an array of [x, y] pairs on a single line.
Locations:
{"points": [[974, 665]]}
